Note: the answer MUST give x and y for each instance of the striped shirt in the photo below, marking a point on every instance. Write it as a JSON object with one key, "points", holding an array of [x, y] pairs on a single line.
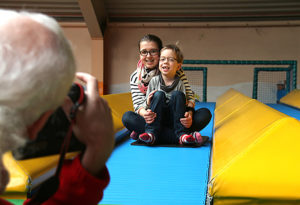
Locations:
{"points": [[138, 98]]}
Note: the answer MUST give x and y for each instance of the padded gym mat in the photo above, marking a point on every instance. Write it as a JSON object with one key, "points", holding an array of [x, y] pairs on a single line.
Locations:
{"points": [[159, 175], [288, 110], [141, 143]]}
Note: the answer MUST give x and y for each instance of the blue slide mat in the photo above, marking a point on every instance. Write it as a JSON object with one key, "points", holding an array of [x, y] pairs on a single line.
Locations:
{"points": [[159, 175], [293, 112]]}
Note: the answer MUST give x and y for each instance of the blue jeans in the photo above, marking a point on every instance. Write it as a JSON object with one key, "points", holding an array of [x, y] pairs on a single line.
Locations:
{"points": [[167, 114], [134, 122]]}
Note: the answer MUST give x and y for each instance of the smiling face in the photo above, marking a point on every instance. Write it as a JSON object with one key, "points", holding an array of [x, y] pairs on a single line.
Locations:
{"points": [[149, 54], [168, 64]]}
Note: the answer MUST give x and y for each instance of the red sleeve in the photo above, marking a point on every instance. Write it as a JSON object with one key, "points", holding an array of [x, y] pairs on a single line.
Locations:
{"points": [[77, 186], [3, 202]]}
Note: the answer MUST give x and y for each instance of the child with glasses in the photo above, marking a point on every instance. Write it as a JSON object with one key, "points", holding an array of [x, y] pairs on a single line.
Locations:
{"points": [[149, 47], [166, 97]]}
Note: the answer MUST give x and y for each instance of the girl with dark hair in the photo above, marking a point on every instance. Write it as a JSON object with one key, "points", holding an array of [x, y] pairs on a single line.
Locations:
{"points": [[147, 67]]}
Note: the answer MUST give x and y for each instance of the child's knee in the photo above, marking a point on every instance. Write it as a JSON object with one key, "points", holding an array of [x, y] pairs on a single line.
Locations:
{"points": [[159, 95], [178, 94], [127, 117]]}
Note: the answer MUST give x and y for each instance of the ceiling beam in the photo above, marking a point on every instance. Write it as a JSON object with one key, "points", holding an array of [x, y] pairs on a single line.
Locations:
{"points": [[94, 15]]}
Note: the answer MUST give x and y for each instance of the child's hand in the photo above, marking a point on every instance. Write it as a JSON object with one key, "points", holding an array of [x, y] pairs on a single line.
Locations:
{"points": [[149, 116], [187, 120], [150, 96]]}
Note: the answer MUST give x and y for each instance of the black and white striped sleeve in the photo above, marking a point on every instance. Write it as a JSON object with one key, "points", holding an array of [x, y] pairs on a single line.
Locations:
{"points": [[138, 98]]}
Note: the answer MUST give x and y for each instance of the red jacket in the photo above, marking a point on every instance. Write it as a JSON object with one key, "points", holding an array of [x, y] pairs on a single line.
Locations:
{"points": [[77, 186]]}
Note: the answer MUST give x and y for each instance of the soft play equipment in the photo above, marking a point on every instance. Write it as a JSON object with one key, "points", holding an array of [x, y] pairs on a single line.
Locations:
{"points": [[26, 175], [147, 175], [255, 155], [254, 160], [292, 99], [119, 104]]}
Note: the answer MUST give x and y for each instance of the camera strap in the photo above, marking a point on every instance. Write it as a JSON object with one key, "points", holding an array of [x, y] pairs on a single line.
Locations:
{"points": [[50, 186], [67, 139]]}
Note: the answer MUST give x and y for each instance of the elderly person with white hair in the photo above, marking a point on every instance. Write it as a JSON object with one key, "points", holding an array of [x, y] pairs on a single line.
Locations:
{"points": [[37, 68]]}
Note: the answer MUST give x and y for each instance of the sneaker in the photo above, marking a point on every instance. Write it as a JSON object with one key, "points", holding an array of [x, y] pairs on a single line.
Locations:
{"points": [[200, 140], [186, 139], [148, 138], [134, 135]]}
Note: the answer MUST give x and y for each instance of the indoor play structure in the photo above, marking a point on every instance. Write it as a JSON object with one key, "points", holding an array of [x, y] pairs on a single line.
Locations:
{"points": [[251, 157]]}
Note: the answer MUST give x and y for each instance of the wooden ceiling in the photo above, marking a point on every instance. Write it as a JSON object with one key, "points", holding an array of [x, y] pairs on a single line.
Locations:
{"points": [[99, 13]]}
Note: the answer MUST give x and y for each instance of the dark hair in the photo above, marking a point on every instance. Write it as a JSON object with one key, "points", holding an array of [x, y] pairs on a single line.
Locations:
{"points": [[176, 50], [151, 37]]}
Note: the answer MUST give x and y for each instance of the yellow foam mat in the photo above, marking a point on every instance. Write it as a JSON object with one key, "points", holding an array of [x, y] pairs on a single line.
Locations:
{"points": [[255, 157], [255, 201], [27, 174], [292, 99], [229, 107], [230, 93], [234, 134], [19, 178], [119, 104]]}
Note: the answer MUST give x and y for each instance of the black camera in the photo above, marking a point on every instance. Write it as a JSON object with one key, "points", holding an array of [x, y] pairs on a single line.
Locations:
{"points": [[51, 137]]}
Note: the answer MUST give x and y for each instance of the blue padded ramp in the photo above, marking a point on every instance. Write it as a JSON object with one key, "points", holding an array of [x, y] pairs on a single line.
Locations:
{"points": [[291, 111], [159, 175]]}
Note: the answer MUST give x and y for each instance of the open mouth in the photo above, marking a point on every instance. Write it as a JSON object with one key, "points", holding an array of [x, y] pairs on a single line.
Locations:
{"points": [[165, 68]]}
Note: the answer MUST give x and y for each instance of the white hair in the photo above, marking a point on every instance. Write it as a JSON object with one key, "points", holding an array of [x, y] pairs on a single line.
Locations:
{"points": [[37, 68]]}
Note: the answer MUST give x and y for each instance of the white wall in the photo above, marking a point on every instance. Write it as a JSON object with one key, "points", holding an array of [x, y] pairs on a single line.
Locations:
{"points": [[217, 42]]}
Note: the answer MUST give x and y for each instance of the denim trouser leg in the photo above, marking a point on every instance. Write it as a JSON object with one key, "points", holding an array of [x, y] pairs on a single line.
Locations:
{"points": [[157, 105], [177, 107], [134, 122]]}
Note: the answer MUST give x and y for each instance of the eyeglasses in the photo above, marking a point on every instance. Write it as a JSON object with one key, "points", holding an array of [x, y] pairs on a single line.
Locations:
{"points": [[171, 60], [153, 52]]}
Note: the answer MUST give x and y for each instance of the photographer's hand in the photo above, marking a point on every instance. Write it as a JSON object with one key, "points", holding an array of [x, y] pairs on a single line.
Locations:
{"points": [[94, 127]]}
